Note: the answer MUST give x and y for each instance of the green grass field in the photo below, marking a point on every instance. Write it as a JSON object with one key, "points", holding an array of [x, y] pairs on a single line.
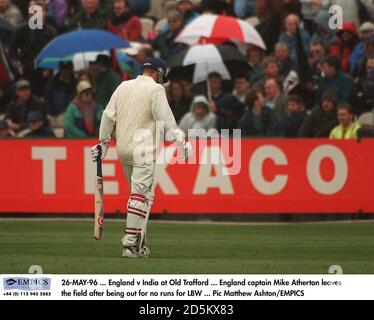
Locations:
{"points": [[62, 247]]}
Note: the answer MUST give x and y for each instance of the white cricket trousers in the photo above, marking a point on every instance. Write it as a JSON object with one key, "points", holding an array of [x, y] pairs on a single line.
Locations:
{"points": [[140, 179]]}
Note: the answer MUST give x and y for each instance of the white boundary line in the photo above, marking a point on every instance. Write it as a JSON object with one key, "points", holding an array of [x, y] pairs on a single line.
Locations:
{"points": [[205, 222]]}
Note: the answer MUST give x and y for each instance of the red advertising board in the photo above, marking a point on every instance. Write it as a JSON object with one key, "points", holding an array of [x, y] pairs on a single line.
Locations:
{"points": [[253, 176]]}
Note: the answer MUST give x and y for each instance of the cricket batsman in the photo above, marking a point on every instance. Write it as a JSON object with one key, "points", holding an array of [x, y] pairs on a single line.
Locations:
{"points": [[135, 113]]}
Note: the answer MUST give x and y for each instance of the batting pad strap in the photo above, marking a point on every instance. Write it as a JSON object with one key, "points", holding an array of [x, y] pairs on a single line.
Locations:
{"points": [[138, 197], [137, 205], [135, 222], [133, 231], [137, 212]]}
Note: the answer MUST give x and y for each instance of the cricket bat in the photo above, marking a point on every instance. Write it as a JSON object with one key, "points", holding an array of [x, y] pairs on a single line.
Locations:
{"points": [[99, 199]]}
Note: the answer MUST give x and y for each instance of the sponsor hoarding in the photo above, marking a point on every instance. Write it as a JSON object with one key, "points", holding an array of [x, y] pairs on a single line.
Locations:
{"points": [[242, 176]]}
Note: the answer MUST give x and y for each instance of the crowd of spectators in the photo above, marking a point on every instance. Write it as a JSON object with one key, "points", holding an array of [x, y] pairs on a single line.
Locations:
{"points": [[312, 82]]}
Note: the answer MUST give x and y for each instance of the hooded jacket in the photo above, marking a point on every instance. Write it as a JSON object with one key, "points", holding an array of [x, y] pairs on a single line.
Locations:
{"points": [[74, 123], [319, 123], [344, 50], [189, 120]]}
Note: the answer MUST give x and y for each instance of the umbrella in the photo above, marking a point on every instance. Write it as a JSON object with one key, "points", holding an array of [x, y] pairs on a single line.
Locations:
{"points": [[204, 59], [218, 29], [80, 60], [269, 30], [81, 41], [199, 61]]}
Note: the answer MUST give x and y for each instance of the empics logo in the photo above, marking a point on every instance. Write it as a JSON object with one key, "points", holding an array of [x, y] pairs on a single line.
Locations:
{"points": [[27, 284], [10, 282]]}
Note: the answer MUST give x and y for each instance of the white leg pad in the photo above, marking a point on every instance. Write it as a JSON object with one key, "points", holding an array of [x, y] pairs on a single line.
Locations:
{"points": [[137, 207]]}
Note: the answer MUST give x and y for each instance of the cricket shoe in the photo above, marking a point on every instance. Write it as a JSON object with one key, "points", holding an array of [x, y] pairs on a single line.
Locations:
{"points": [[133, 252]]}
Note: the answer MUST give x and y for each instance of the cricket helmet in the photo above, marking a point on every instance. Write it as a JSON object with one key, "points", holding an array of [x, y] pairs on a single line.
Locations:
{"points": [[159, 66]]}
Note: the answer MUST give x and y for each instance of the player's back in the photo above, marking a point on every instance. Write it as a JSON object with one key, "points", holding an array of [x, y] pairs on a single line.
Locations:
{"points": [[136, 127]]}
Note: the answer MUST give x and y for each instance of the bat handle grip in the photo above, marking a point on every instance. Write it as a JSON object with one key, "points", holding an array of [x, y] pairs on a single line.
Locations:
{"points": [[99, 171]]}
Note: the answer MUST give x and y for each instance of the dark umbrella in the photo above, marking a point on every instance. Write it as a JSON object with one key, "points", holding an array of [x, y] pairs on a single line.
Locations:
{"points": [[303, 68], [198, 61], [269, 30]]}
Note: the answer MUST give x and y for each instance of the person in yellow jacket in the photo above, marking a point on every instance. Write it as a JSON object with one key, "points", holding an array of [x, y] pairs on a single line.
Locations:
{"points": [[347, 128]]}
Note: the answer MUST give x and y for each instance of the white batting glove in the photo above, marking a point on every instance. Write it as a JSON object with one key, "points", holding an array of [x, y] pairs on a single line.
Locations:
{"points": [[95, 151], [186, 151]]}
